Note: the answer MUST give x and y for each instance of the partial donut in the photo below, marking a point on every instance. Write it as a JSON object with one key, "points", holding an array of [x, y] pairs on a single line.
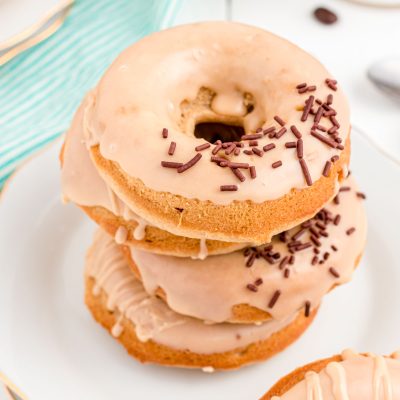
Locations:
{"points": [[151, 332], [348, 376], [289, 147], [82, 184], [299, 266]]}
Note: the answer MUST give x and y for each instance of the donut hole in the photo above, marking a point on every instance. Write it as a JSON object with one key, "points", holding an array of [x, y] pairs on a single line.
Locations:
{"points": [[213, 131], [200, 120]]}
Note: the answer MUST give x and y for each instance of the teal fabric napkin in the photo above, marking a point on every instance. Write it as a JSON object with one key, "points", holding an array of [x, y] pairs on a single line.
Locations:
{"points": [[41, 88]]}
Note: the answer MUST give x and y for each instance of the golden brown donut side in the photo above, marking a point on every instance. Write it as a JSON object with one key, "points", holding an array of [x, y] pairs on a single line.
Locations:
{"points": [[240, 221], [157, 240], [288, 381], [156, 353]]}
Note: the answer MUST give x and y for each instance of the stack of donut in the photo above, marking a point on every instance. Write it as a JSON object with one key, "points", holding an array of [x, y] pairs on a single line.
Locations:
{"points": [[214, 157]]}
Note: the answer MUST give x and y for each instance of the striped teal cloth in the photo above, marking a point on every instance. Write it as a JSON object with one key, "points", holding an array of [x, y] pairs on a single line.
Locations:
{"points": [[41, 88]]}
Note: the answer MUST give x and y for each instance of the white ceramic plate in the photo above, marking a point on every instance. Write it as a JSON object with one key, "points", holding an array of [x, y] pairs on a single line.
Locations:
{"points": [[52, 349], [17, 16]]}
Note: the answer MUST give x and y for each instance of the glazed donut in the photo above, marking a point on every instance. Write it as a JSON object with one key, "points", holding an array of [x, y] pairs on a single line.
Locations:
{"points": [[140, 125], [82, 184], [236, 287], [349, 376], [151, 332]]}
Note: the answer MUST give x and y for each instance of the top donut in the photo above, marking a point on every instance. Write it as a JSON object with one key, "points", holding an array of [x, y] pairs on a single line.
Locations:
{"points": [[152, 126]]}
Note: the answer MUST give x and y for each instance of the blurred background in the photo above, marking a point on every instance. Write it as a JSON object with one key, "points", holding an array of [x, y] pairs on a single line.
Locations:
{"points": [[53, 51]]}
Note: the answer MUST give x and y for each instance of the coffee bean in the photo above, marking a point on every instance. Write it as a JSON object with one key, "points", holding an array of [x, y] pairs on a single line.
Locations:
{"points": [[325, 16]]}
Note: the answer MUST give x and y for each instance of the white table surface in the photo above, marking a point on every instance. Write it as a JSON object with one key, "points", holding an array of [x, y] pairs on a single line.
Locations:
{"points": [[361, 36]]}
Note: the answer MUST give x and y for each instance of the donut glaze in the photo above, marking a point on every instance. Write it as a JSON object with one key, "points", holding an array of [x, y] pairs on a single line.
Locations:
{"points": [[140, 120], [143, 90], [350, 376], [211, 288], [153, 320], [82, 184]]}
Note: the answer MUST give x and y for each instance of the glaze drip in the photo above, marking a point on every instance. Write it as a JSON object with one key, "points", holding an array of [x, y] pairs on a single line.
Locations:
{"points": [[153, 320], [190, 291], [356, 377]]}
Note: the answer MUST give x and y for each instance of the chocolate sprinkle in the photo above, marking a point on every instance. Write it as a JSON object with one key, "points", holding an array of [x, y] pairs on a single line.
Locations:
{"points": [[283, 262], [327, 169], [202, 147], [252, 137], [318, 115], [250, 260], [315, 241], [277, 164], [238, 173], [258, 152], [252, 287], [279, 120], [230, 149], [238, 165], [334, 272], [299, 148], [307, 308], [217, 148], [286, 273], [290, 145], [280, 133], [334, 158], [332, 130], [361, 195], [306, 172], [274, 299], [320, 128], [331, 83], [336, 199], [190, 163], [303, 246], [295, 132], [268, 130], [171, 164], [269, 147], [324, 139], [228, 188], [172, 148], [165, 133], [307, 108], [350, 231]]}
